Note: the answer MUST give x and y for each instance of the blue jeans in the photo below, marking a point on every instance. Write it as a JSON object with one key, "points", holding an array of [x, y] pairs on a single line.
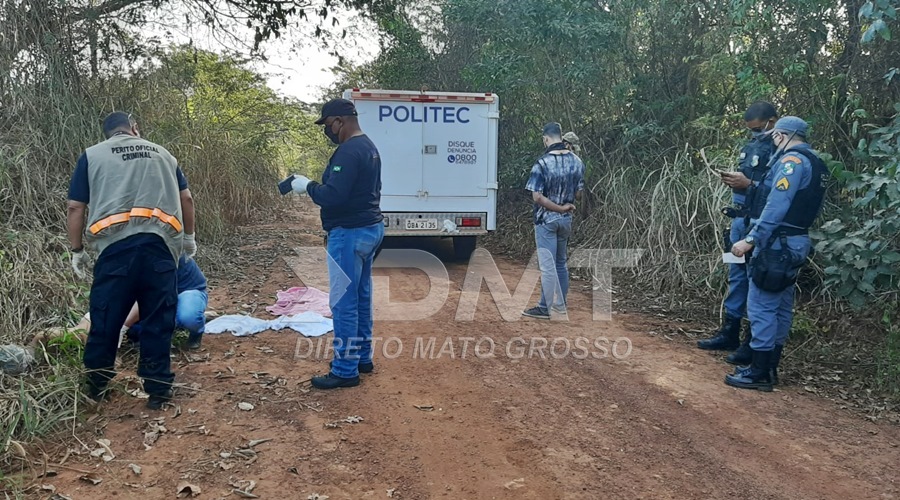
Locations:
{"points": [[552, 241], [351, 253], [191, 312], [771, 313], [190, 315], [738, 276]]}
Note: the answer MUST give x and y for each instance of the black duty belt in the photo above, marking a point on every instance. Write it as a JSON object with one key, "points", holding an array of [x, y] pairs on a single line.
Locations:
{"points": [[791, 231]]}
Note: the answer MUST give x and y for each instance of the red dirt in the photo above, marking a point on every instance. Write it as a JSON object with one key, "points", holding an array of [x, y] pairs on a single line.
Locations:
{"points": [[657, 424]]}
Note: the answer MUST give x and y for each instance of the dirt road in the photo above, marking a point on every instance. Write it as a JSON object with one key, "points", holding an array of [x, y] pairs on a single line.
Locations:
{"points": [[657, 424]]}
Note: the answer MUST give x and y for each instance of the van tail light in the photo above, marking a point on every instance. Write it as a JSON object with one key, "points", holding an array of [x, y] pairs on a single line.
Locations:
{"points": [[468, 221]]}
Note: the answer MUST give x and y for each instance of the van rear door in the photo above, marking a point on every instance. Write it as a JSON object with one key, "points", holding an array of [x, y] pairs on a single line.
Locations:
{"points": [[455, 142]]}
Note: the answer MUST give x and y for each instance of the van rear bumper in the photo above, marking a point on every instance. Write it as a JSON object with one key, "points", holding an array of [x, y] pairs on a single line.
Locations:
{"points": [[433, 223]]}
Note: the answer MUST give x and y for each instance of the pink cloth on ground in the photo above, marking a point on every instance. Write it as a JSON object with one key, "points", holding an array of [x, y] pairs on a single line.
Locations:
{"points": [[300, 299]]}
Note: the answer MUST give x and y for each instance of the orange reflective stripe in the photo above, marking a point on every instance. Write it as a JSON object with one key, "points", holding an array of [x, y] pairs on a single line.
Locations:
{"points": [[106, 222]]}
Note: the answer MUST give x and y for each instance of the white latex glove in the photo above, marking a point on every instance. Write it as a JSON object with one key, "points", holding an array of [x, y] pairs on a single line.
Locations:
{"points": [[79, 260], [299, 184], [189, 246]]}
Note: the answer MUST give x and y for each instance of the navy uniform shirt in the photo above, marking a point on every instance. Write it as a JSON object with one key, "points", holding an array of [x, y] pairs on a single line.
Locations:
{"points": [[753, 163], [189, 276], [350, 191], [80, 190]]}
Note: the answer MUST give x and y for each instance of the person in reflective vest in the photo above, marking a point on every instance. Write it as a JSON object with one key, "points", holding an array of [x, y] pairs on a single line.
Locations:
{"points": [[140, 220], [783, 209]]}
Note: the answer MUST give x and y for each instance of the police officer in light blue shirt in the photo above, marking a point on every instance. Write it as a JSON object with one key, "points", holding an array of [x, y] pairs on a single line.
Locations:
{"points": [[783, 209], [752, 167]]}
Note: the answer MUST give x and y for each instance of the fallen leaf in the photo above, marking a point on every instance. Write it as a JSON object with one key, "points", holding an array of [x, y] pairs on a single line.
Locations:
{"points": [[177, 411], [424, 407], [293, 470], [135, 468], [48, 487], [245, 406], [185, 489], [59, 496], [354, 419], [680, 401], [256, 442], [316, 496], [390, 492], [243, 493], [91, 477]]}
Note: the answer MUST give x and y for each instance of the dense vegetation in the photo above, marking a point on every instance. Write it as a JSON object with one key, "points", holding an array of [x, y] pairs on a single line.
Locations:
{"points": [[647, 84]]}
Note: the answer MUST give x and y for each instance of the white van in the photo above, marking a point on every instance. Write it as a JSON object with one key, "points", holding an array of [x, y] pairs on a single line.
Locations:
{"points": [[438, 161]]}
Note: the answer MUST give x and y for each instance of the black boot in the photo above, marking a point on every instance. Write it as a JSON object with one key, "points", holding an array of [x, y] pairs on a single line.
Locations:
{"points": [[743, 355], [727, 338], [758, 377], [776, 359]]}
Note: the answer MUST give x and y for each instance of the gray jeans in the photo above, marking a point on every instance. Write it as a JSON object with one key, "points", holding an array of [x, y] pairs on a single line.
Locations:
{"points": [[552, 241]]}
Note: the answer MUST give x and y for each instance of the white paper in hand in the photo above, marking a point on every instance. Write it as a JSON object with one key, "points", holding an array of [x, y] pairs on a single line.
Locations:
{"points": [[729, 258]]}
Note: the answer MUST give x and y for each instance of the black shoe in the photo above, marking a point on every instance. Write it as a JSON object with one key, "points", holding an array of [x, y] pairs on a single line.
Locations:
{"points": [[743, 355], [728, 338], [96, 394], [193, 343], [363, 367], [757, 377], [537, 312], [331, 381], [156, 401]]}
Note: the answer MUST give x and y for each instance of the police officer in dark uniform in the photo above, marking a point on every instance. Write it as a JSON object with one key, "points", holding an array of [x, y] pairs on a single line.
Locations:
{"points": [[783, 209], [141, 220], [753, 165]]}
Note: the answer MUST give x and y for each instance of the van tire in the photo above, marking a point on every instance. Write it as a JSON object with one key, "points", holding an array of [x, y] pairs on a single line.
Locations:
{"points": [[463, 246]]}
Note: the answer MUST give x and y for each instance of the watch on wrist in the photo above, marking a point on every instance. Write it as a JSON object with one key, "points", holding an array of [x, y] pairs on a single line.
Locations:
{"points": [[78, 250], [750, 240]]}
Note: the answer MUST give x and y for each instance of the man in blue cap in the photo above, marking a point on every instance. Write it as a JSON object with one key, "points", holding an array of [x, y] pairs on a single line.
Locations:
{"points": [[753, 165], [350, 197], [783, 209]]}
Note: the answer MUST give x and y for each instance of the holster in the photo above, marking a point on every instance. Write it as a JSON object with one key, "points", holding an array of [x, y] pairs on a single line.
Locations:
{"points": [[774, 270]]}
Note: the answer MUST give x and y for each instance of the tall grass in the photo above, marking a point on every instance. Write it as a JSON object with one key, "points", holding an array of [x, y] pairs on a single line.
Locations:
{"points": [[50, 111]]}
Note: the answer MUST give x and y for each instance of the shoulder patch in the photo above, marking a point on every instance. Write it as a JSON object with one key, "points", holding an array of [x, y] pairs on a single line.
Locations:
{"points": [[787, 168], [783, 184], [336, 168], [791, 159]]}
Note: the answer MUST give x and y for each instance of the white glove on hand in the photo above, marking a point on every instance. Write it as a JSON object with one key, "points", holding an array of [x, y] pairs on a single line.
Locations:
{"points": [[189, 246], [299, 184], [79, 260]]}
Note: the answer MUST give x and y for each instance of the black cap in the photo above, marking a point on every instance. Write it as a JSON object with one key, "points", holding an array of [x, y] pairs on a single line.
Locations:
{"points": [[337, 107]]}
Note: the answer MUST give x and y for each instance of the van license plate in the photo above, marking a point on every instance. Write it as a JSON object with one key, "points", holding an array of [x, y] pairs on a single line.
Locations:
{"points": [[426, 224]]}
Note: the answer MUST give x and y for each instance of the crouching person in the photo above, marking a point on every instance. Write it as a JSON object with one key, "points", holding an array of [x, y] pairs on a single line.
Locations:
{"points": [[191, 311]]}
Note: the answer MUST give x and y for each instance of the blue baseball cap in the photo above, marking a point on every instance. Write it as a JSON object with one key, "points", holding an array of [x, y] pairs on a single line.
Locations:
{"points": [[791, 125]]}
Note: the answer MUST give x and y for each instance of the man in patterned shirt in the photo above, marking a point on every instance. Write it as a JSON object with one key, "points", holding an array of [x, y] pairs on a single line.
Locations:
{"points": [[556, 178]]}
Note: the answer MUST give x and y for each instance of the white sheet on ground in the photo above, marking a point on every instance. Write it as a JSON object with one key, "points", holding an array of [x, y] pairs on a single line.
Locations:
{"points": [[309, 324]]}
